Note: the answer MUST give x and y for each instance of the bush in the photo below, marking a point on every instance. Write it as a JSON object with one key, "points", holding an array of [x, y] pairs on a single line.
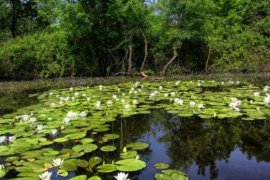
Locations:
{"points": [[35, 56]]}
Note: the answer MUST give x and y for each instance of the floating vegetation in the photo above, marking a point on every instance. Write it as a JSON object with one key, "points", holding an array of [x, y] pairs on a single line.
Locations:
{"points": [[161, 166], [71, 129]]}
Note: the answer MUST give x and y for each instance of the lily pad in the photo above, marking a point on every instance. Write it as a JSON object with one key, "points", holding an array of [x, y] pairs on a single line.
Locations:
{"points": [[130, 165], [108, 148], [161, 166], [2, 173], [93, 161], [128, 155], [94, 178], [171, 174], [137, 145], [81, 177], [107, 168]]}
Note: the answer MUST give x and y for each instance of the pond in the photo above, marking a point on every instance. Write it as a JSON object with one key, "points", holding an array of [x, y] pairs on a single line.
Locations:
{"points": [[150, 130]]}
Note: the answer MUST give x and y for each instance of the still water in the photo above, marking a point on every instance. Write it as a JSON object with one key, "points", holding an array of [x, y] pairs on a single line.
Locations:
{"points": [[204, 149]]}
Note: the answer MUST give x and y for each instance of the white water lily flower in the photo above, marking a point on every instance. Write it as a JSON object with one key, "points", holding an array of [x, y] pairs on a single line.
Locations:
{"points": [[39, 127], [88, 99], [222, 82], [172, 93], [122, 101], [177, 83], [11, 138], [234, 104], [152, 94], [109, 103], [83, 114], [237, 82], [52, 104], [83, 94], [25, 117], [98, 104], [178, 101], [122, 176], [114, 97], [66, 120], [57, 162], [76, 94], [54, 132], [73, 98], [3, 139], [127, 107], [49, 118], [45, 176], [166, 95], [256, 94], [2, 167], [192, 103], [134, 101], [136, 84], [100, 87], [71, 89], [51, 93], [200, 106], [160, 88], [265, 88], [72, 115], [266, 100]]}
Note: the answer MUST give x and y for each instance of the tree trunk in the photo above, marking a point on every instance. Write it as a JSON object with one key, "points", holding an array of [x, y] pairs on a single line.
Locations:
{"points": [[207, 60], [145, 50], [130, 60], [14, 6], [175, 55]]}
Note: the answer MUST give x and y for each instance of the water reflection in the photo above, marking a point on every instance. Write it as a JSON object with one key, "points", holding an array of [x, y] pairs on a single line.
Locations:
{"points": [[205, 149]]}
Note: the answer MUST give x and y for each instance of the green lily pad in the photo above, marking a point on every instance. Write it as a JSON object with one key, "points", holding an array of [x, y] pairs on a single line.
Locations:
{"points": [[108, 148], [62, 173], [2, 173], [107, 168], [87, 148], [171, 174], [137, 145], [80, 177], [60, 140], [93, 161], [161, 166], [94, 178], [128, 155], [130, 165], [110, 136]]}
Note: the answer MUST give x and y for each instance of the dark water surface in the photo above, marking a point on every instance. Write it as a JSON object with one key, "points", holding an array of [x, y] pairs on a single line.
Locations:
{"points": [[204, 149]]}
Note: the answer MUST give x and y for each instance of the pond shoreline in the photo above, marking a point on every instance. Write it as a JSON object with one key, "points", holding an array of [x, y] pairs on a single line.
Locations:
{"points": [[24, 85]]}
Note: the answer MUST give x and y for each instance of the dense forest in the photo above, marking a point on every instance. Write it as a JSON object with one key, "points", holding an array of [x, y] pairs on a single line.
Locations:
{"points": [[57, 38]]}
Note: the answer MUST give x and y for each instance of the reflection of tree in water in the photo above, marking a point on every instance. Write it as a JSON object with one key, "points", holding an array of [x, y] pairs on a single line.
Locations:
{"points": [[255, 140], [201, 141]]}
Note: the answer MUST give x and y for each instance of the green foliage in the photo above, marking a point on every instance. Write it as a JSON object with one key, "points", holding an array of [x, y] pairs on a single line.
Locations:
{"points": [[52, 38], [34, 56]]}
